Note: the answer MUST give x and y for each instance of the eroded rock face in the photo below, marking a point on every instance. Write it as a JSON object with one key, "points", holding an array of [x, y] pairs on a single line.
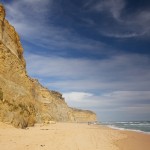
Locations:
{"points": [[83, 116], [24, 101]]}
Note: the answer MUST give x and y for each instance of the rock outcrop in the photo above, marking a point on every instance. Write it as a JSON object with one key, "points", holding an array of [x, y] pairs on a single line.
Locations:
{"points": [[24, 101]]}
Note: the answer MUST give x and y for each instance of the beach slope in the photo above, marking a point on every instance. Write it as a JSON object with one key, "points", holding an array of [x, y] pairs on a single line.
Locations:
{"points": [[71, 136]]}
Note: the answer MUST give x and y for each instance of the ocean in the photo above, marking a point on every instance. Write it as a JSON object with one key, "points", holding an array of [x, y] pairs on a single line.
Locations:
{"points": [[138, 126]]}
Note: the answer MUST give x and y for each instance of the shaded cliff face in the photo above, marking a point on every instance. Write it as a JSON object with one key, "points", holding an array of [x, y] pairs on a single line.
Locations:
{"points": [[24, 101]]}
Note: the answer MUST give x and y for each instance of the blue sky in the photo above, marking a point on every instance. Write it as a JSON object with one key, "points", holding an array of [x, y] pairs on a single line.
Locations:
{"points": [[95, 52]]}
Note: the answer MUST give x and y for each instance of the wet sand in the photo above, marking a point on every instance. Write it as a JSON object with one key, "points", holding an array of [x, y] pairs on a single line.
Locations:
{"points": [[71, 136], [134, 141]]}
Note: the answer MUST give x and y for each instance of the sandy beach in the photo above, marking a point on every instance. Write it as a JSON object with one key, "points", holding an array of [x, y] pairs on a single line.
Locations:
{"points": [[71, 136]]}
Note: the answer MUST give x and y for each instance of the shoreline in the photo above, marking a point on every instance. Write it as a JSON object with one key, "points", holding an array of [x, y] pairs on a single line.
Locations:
{"points": [[71, 136], [130, 130]]}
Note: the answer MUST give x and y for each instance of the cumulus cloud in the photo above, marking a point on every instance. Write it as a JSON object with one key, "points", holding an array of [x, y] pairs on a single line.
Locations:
{"points": [[77, 96], [125, 104], [118, 100]]}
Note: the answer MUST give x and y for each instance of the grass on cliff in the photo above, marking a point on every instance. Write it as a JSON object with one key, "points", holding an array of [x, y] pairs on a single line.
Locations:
{"points": [[19, 114]]}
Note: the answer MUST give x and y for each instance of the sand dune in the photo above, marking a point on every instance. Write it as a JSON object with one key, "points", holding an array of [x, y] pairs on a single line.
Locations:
{"points": [[70, 136]]}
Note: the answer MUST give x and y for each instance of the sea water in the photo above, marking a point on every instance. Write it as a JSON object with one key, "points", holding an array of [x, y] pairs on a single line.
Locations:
{"points": [[139, 126]]}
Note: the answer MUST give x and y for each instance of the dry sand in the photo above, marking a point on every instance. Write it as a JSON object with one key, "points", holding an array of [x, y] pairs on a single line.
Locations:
{"points": [[70, 136]]}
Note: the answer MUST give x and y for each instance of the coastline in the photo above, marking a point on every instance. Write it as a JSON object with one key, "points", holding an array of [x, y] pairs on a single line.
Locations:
{"points": [[71, 136], [130, 130]]}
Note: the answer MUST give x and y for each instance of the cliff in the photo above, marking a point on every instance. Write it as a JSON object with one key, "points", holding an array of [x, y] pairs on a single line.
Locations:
{"points": [[24, 101]]}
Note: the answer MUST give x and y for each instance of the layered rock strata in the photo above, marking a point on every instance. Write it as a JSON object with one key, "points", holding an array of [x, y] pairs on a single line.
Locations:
{"points": [[24, 101]]}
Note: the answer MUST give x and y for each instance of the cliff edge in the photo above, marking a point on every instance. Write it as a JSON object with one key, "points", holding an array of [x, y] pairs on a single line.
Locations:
{"points": [[23, 100]]}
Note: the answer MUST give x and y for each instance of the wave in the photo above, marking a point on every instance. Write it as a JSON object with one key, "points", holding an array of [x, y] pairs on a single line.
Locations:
{"points": [[124, 129], [140, 124]]}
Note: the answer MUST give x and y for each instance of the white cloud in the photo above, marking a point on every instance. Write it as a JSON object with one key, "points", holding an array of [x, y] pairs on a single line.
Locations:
{"points": [[120, 72], [39, 23], [125, 104], [35, 22], [140, 21], [77, 96], [123, 35], [122, 81], [115, 7], [127, 25]]}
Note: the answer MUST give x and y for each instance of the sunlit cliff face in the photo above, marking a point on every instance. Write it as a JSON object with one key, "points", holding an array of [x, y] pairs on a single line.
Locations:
{"points": [[2, 12]]}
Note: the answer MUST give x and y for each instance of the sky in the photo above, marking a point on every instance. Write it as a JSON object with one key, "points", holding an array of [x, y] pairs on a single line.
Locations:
{"points": [[95, 52]]}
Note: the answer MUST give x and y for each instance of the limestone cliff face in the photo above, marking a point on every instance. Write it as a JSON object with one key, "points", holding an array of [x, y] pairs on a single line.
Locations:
{"points": [[24, 101], [83, 116]]}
